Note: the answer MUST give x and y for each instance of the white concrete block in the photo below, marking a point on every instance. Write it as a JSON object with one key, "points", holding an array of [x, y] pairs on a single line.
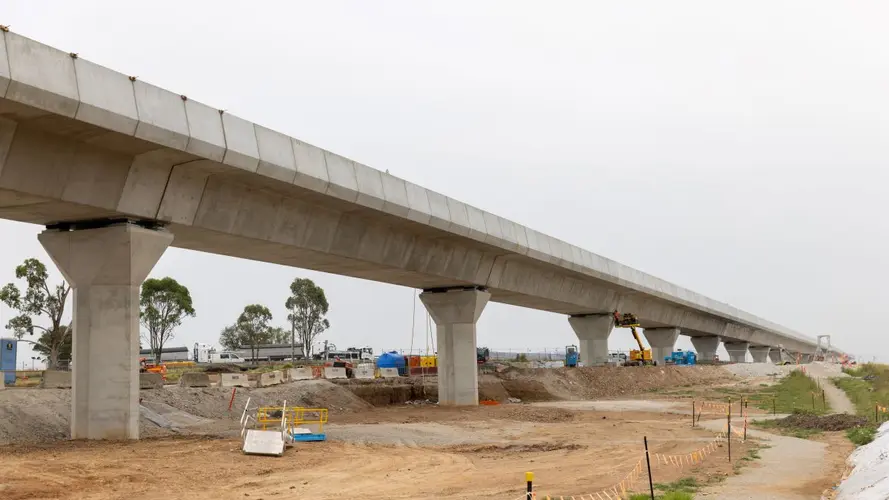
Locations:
{"points": [[41, 76], [364, 371], [234, 380], [161, 116], [343, 180], [264, 442], [389, 372], [240, 142], [418, 202], [275, 155], [477, 229], [106, 98], [4, 67], [331, 372], [395, 193], [440, 215], [271, 378], [370, 186], [311, 167], [301, 373], [206, 138]]}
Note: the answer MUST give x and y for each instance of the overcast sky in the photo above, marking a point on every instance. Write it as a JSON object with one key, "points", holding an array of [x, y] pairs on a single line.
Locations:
{"points": [[737, 149]]}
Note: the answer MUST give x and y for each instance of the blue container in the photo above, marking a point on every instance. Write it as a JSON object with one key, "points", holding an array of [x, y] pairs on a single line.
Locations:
{"points": [[392, 360], [8, 350]]}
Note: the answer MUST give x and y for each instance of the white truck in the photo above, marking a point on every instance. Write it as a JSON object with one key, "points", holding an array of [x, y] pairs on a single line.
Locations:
{"points": [[205, 353]]}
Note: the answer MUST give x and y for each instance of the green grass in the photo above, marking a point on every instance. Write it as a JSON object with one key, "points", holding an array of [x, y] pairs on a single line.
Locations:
{"points": [[793, 392], [866, 394], [861, 435]]}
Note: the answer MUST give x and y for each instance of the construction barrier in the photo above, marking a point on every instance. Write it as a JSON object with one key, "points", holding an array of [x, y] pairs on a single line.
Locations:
{"points": [[301, 373], [54, 379], [364, 371], [317, 372], [389, 372], [151, 381], [334, 372], [271, 378], [234, 380], [194, 379]]}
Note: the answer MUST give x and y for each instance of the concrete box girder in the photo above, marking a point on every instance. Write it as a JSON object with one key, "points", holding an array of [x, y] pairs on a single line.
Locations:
{"points": [[569, 278]]}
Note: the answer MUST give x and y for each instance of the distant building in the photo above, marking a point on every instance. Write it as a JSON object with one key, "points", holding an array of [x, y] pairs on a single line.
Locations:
{"points": [[168, 354], [270, 352]]}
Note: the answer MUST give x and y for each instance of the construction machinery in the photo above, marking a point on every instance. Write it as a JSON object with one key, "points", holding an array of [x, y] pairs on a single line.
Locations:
{"points": [[146, 366], [571, 356], [482, 355], [682, 358], [638, 357]]}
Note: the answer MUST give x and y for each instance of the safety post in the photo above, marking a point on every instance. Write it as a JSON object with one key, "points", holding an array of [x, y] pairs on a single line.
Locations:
{"points": [[692, 412], [232, 400], [813, 400], [774, 406], [529, 478], [729, 437], [823, 400], [876, 416], [648, 463]]}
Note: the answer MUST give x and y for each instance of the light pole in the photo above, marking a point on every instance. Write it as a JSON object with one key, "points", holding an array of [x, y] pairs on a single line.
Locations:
{"points": [[33, 358]]}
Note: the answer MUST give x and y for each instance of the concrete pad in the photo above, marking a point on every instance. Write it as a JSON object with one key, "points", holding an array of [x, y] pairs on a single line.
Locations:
{"points": [[364, 371], [259, 442], [151, 381], [311, 168], [43, 76], [106, 98], [331, 372], [194, 379], [301, 373], [234, 380], [275, 155], [389, 372], [271, 378], [240, 141], [162, 117], [54, 379], [206, 138]]}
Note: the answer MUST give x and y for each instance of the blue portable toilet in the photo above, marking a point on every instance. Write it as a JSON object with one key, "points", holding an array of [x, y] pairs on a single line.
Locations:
{"points": [[8, 350]]}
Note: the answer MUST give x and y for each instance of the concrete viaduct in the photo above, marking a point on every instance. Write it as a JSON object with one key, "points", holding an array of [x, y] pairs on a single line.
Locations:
{"points": [[117, 170]]}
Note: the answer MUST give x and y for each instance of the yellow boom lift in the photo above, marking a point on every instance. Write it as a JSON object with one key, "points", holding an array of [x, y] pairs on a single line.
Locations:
{"points": [[639, 357]]}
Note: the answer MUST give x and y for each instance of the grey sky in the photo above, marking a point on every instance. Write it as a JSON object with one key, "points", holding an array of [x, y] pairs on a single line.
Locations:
{"points": [[738, 149]]}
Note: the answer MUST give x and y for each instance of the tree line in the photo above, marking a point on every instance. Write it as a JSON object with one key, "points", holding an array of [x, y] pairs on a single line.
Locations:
{"points": [[164, 304]]}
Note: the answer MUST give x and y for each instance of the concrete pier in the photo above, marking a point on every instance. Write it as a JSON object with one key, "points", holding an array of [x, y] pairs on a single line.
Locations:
{"points": [[592, 333], [775, 356], [760, 353], [661, 341], [706, 347], [737, 351], [456, 313], [105, 268]]}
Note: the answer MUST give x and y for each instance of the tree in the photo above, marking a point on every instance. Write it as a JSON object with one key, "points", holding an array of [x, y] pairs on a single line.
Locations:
{"points": [[164, 303], [308, 306], [253, 327], [230, 338], [65, 343], [278, 335], [38, 300]]}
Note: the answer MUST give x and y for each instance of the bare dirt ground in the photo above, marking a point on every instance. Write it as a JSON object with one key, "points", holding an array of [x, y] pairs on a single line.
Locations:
{"points": [[573, 446], [404, 452]]}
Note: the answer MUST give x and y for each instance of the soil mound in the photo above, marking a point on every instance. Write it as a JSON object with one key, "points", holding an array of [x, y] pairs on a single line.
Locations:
{"points": [[837, 422]]}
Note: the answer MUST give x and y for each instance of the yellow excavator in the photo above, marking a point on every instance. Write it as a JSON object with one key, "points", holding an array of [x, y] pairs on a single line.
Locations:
{"points": [[639, 357]]}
